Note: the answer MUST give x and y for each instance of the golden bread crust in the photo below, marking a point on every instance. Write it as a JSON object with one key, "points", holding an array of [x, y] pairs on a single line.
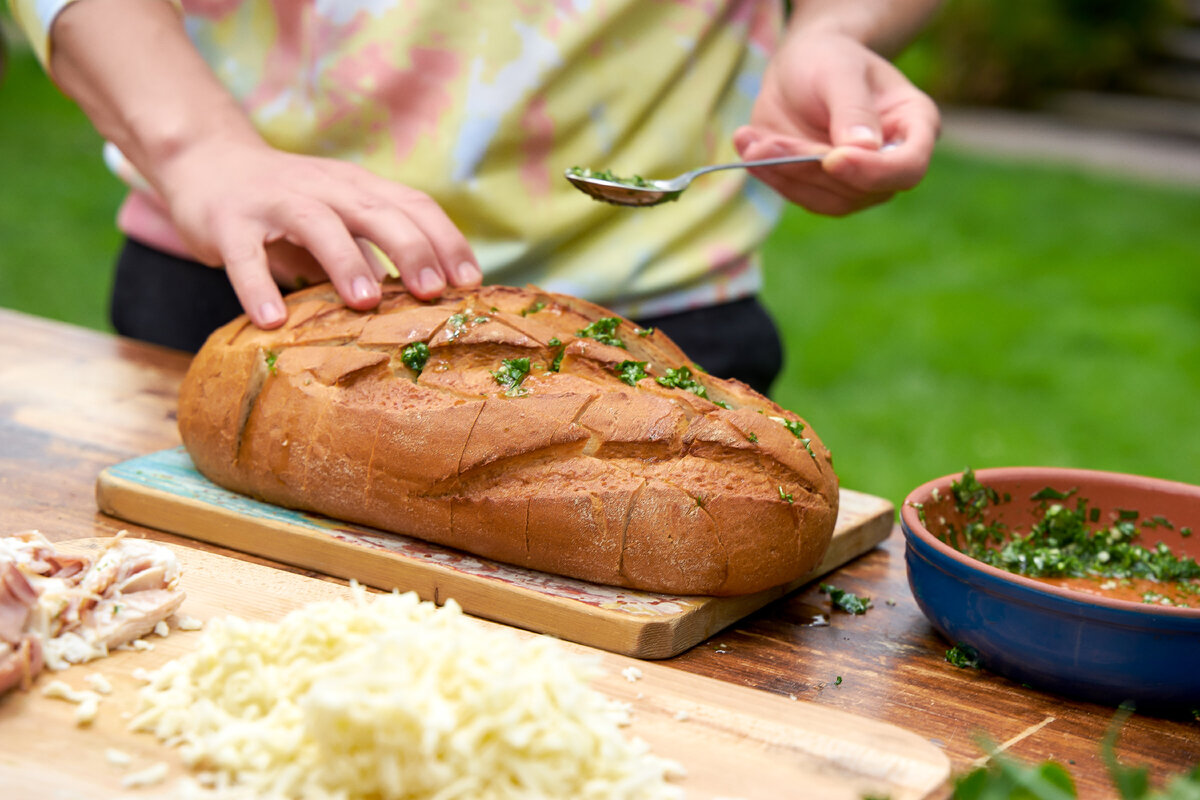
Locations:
{"points": [[572, 470]]}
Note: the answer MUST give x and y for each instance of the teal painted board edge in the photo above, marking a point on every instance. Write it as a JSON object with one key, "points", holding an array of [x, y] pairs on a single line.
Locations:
{"points": [[172, 471]]}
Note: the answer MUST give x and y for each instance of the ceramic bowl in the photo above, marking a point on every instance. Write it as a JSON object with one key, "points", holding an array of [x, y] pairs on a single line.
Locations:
{"points": [[1058, 639]]}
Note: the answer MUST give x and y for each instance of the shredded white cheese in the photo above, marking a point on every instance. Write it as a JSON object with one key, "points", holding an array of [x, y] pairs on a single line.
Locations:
{"points": [[85, 714], [98, 682], [70, 648], [60, 690], [631, 674], [396, 698], [88, 702], [162, 629], [185, 623], [117, 758], [155, 773]]}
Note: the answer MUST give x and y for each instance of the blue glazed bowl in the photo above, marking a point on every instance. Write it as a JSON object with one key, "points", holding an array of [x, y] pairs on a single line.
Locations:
{"points": [[1053, 638]]}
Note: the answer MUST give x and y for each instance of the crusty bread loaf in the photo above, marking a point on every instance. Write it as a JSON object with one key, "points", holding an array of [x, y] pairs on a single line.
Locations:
{"points": [[418, 418]]}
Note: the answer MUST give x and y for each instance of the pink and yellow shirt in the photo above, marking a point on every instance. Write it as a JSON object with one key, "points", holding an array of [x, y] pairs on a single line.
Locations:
{"points": [[483, 104]]}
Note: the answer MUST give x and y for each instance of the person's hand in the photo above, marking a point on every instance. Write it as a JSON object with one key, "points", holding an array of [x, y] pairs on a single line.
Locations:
{"points": [[271, 217], [828, 93]]}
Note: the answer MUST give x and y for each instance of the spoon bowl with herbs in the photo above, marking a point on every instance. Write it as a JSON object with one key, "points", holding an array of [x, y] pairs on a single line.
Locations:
{"points": [[638, 191], [1078, 582]]}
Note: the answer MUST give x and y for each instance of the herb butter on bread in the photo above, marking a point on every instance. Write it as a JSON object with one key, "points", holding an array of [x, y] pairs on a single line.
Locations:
{"points": [[523, 426]]}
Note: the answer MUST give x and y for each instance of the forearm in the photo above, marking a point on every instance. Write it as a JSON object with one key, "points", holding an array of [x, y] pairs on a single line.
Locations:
{"points": [[885, 26], [132, 69]]}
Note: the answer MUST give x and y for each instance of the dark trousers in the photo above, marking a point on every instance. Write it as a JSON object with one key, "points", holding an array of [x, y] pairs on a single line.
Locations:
{"points": [[174, 302]]}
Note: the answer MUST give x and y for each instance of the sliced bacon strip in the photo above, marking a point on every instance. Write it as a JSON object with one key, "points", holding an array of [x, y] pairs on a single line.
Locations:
{"points": [[17, 598], [19, 665], [57, 609]]}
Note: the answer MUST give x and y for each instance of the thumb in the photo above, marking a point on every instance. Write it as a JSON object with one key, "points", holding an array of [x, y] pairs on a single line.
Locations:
{"points": [[853, 120]]}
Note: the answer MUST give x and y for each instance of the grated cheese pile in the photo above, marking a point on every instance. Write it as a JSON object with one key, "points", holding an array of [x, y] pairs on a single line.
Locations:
{"points": [[395, 698]]}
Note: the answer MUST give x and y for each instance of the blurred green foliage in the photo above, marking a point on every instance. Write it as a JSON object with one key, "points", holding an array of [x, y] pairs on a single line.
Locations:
{"points": [[1011, 52], [1002, 314], [58, 237]]}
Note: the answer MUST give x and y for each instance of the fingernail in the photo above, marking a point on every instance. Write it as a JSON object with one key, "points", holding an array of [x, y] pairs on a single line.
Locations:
{"points": [[362, 289], [468, 273], [863, 134], [271, 312], [429, 280]]}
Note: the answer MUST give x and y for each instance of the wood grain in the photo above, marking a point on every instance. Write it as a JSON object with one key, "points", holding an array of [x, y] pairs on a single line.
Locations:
{"points": [[719, 732], [890, 659]]}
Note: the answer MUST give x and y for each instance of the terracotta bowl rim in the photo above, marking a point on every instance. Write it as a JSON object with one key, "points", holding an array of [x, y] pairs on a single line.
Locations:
{"points": [[913, 527]]}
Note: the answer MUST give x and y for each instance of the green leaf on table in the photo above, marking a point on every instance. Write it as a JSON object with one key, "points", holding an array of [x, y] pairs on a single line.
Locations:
{"points": [[1004, 778], [846, 601]]}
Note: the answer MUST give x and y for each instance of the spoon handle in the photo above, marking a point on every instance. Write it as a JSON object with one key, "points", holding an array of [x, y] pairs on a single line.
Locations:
{"points": [[764, 162]]}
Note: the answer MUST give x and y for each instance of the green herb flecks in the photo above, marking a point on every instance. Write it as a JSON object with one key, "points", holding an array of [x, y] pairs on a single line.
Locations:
{"points": [[643, 332], [785, 496], [603, 330], [1061, 543], [631, 372], [415, 356], [272, 357], [512, 371], [796, 427], [608, 175], [533, 309], [457, 324], [681, 378], [846, 601], [964, 656], [752, 437], [558, 357]]}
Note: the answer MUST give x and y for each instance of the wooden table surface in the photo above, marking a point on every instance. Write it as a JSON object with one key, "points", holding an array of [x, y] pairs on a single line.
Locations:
{"points": [[73, 402]]}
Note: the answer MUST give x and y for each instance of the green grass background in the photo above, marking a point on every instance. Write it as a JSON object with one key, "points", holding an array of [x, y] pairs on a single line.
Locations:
{"points": [[1001, 314], [57, 201]]}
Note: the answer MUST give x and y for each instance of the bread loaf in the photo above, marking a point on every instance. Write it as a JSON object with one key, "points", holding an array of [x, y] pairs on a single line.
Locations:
{"points": [[518, 425]]}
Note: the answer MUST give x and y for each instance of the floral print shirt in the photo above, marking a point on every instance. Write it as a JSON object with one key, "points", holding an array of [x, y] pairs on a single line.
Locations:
{"points": [[483, 104]]}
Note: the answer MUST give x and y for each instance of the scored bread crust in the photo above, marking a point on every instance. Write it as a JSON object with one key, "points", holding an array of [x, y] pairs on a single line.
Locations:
{"points": [[572, 471]]}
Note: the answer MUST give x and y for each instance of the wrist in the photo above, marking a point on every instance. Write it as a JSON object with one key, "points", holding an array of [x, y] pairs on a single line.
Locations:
{"points": [[884, 26], [162, 146], [132, 69]]}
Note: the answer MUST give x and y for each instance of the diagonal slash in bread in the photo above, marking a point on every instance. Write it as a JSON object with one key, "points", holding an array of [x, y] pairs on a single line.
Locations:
{"points": [[424, 418]]}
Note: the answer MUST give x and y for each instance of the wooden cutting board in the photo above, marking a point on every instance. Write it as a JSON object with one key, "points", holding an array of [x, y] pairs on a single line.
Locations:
{"points": [[734, 742], [164, 491]]}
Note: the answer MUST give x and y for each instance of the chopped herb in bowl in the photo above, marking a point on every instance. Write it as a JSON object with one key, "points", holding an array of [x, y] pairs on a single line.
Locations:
{"points": [[1072, 544], [1041, 570]]}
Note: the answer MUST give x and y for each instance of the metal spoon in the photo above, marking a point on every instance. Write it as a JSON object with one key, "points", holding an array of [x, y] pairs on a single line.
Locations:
{"points": [[643, 192]]}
